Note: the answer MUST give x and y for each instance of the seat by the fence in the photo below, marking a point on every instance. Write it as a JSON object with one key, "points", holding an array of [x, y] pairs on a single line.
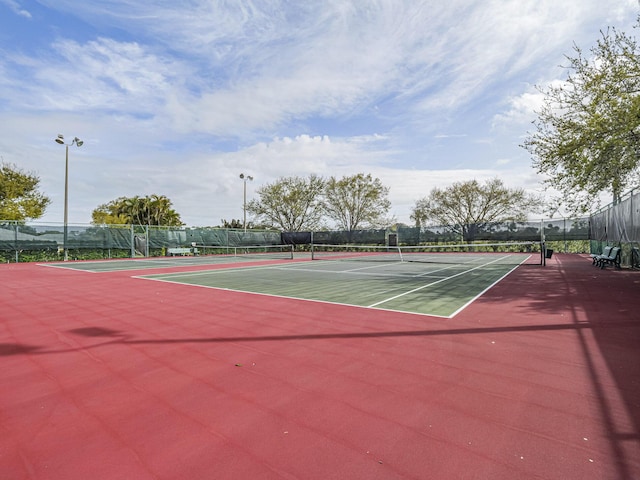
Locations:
{"points": [[613, 258], [605, 252], [182, 251]]}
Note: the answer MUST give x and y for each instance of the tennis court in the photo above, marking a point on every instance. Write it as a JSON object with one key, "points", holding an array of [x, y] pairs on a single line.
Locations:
{"points": [[409, 279], [439, 284], [224, 255], [204, 372]]}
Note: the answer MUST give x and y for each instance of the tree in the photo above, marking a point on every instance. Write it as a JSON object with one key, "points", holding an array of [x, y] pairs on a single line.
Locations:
{"points": [[149, 210], [232, 224], [19, 196], [357, 201], [588, 129], [292, 204], [469, 206]]}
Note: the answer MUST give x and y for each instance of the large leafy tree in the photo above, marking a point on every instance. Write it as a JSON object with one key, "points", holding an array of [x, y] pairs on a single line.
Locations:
{"points": [[357, 201], [292, 204], [232, 224], [149, 210], [469, 206], [19, 196], [587, 138]]}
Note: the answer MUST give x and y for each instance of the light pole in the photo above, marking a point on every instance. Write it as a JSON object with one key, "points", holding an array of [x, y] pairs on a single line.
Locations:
{"points": [[78, 143], [244, 205]]}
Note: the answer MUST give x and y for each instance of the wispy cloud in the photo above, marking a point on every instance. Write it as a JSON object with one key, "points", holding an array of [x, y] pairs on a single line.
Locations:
{"points": [[258, 65], [15, 7], [101, 74], [411, 90]]}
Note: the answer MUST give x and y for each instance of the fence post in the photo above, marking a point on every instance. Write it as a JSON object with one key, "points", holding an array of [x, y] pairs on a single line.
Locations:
{"points": [[133, 243], [15, 242], [631, 210]]}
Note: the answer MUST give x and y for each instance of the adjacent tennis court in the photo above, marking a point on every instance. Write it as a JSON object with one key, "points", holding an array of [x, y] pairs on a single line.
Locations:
{"points": [[205, 256], [430, 283]]}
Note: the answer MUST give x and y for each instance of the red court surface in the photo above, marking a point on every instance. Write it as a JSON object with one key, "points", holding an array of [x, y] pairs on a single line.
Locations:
{"points": [[105, 376]]}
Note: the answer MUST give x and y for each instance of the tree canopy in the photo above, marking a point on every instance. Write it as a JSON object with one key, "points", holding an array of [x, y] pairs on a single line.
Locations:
{"points": [[149, 210], [297, 204], [588, 129], [233, 223], [19, 196], [357, 201], [469, 205], [292, 204]]}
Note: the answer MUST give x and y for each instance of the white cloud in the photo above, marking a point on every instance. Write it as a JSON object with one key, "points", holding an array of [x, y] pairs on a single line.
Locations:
{"points": [[15, 8], [102, 74], [522, 109], [188, 98]]}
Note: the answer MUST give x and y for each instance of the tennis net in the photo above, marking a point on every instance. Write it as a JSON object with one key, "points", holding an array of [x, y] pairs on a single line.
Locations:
{"points": [[254, 251], [506, 252]]}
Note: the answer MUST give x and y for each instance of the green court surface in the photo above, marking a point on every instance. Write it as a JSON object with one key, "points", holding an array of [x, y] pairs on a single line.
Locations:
{"points": [[440, 289], [159, 262]]}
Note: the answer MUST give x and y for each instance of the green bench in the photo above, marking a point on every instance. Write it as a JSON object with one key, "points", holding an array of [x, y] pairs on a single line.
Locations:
{"points": [[606, 251], [182, 251], [610, 258]]}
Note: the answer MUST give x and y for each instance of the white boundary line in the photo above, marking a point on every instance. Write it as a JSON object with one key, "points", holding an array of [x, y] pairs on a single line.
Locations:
{"points": [[443, 280], [372, 306], [325, 302], [483, 292]]}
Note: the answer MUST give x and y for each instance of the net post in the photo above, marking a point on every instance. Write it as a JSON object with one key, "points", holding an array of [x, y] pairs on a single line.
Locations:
{"points": [[543, 245]]}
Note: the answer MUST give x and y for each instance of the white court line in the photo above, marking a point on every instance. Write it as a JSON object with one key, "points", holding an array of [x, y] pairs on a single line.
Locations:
{"points": [[356, 271], [485, 290], [353, 272], [436, 282], [164, 278], [272, 295], [296, 267]]}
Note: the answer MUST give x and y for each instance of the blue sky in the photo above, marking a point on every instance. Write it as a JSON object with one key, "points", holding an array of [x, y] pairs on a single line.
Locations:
{"points": [[179, 98]]}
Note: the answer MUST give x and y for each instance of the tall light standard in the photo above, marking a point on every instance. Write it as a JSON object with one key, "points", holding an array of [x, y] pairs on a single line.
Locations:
{"points": [[244, 205], [78, 143]]}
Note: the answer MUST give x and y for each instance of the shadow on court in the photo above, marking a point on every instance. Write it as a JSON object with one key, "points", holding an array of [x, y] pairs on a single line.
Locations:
{"points": [[537, 378], [122, 337], [603, 307]]}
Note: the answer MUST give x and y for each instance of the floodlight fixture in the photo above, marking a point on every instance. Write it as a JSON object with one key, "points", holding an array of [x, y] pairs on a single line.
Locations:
{"points": [[244, 205], [60, 140]]}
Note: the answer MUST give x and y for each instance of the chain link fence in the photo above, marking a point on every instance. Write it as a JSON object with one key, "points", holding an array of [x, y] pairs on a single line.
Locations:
{"points": [[618, 225], [39, 242], [28, 242]]}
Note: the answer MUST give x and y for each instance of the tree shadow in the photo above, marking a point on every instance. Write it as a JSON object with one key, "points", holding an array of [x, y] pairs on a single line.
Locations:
{"points": [[96, 332], [606, 302], [7, 349]]}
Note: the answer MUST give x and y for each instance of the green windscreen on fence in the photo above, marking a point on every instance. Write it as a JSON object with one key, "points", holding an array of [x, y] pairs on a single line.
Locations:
{"points": [[31, 242], [35, 242], [618, 225]]}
